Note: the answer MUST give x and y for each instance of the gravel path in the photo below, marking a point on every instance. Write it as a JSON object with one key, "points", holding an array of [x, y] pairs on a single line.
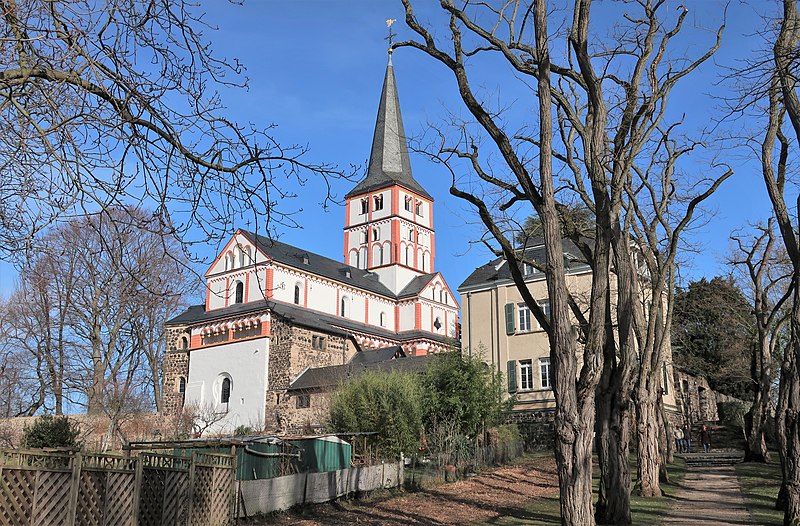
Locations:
{"points": [[710, 496]]}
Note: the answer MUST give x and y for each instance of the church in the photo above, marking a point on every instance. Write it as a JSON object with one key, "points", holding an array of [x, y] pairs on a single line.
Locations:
{"points": [[273, 311]]}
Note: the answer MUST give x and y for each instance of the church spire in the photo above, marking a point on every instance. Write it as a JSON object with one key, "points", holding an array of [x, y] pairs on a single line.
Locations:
{"points": [[389, 163]]}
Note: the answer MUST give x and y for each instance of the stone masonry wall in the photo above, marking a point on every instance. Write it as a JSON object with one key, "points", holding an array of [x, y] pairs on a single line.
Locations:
{"points": [[290, 353], [176, 365], [696, 401]]}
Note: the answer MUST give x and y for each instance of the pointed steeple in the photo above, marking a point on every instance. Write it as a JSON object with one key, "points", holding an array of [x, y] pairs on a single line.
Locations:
{"points": [[389, 163]]}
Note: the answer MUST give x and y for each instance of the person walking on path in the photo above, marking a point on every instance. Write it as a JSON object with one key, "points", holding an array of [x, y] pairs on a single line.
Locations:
{"points": [[678, 434], [687, 438], [705, 438]]}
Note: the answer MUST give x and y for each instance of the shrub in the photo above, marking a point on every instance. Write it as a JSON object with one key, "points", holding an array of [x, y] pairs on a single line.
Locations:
{"points": [[243, 430], [51, 431], [463, 391], [388, 403]]}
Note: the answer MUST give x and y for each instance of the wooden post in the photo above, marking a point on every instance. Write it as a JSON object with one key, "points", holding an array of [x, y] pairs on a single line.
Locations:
{"points": [[191, 488], [75, 487], [234, 488], [138, 479]]}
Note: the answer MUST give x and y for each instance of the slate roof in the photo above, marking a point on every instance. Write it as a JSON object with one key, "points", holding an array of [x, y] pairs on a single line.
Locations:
{"points": [[498, 270], [378, 355], [389, 163], [333, 375], [329, 323], [416, 285], [320, 265]]}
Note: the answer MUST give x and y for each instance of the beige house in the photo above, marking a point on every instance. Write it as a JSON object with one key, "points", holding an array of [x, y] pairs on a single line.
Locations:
{"points": [[499, 327]]}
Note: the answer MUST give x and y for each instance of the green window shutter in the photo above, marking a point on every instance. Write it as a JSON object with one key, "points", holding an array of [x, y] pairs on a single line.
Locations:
{"points": [[510, 312], [512, 376]]}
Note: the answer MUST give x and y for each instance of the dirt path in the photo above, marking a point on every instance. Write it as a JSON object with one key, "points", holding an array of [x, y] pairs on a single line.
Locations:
{"points": [[710, 496], [500, 492]]}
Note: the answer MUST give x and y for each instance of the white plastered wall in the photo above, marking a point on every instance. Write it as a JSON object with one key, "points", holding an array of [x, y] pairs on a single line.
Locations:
{"points": [[246, 364]]}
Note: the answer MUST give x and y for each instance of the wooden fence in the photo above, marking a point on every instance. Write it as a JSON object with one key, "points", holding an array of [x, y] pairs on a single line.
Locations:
{"points": [[71, 489]]}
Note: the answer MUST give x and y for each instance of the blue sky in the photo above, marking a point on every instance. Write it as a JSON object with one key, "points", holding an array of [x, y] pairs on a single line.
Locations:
{"points": [[316, 69]]}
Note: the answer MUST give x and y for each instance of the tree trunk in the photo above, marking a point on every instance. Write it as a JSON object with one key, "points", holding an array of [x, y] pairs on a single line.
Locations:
{"points": [[647, 453]]}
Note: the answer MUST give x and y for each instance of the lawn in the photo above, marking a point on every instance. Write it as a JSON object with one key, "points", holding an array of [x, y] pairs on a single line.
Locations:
{"points": [[760, 484], [650, 511]]}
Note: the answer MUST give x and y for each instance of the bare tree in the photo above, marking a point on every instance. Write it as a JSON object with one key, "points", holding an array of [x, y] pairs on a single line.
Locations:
{"points": [[113, 102], [98, 342], [783, 102], [768, 279], [598, 104]]}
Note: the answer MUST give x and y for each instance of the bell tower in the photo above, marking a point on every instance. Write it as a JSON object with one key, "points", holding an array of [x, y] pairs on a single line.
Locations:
{"points": [[389, 216]]}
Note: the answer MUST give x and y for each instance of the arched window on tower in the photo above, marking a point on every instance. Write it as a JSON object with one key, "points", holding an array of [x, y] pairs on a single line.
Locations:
{"points": [[408, 203], [378, 202], [382, 319], [344, 306], [408, 255], [184, 343], [376, 234], [364, 205], [225, 391], [297, 293], [239, 292]]}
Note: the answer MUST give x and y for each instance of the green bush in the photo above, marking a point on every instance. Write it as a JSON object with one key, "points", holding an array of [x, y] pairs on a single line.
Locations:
{"points": [[389, 403], [464, 391], [51, 431], [243, 430]]}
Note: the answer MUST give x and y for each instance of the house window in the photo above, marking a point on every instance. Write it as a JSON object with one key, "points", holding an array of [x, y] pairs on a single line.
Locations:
{"points": [[544, 373], [239, 292], [318, 342], [378, 202], [343, 306], [364, 205], [545, 306], [225, 392], [524, 318], [297, 294], [303, 401], [525, 375], [408, 204]]}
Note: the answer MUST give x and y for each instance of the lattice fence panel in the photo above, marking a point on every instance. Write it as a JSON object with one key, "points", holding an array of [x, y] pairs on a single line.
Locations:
{"points": [[203, 488], [212, 495], [120, 491], [91, 495], [176, 498], [151, 502], [16, 496], [51, 501]]}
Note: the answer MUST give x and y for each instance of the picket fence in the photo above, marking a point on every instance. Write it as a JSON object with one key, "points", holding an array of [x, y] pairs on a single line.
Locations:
{"points": [[71, 489]]}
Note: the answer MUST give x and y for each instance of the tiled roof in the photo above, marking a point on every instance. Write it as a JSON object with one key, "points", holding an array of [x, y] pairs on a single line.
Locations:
{"points": [[320, 265], [329, 323], [332, 376], [497, 269]]}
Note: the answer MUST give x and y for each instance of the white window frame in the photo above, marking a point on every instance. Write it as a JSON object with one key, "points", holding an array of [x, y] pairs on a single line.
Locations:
{"points": [[524, 316], [545, 380], [545, 306], [526, 375]]}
